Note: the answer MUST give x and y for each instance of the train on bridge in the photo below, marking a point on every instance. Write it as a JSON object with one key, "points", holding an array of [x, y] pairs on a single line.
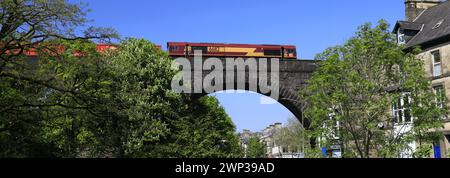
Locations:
{"points": [[186, 49], [219, 50]]}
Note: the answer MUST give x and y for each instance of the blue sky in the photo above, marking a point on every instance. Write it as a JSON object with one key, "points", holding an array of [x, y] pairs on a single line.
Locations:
{"points": [[311, 25]]}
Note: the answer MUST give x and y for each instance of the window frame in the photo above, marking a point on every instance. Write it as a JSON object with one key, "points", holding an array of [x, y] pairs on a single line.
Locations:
{"points": [[401, 34], [440, 100], [443, 103], [434, 63], [398, 110]]}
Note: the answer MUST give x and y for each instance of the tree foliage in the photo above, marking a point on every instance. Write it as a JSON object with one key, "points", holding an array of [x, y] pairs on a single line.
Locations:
{"points": [[118, 104], [27, 23], [356, 85], [206, 132], [256, 149], [75, 101], [28, 87], [292, 136]]}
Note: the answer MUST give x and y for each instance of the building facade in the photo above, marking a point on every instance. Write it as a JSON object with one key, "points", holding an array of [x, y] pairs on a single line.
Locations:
{"points": [[268, 138], [244, 138], [274, 149], [427, 26]]}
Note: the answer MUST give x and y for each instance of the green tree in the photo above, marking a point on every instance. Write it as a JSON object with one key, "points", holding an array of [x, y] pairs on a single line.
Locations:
{"points": [[27, 23], [256, 149], [292, 136], [159, 122], [114, 108], [141, 81], [28, 86], [74, 101], [117, 104], [38, 26], [56, 87], [206, 132], [354, 87]]}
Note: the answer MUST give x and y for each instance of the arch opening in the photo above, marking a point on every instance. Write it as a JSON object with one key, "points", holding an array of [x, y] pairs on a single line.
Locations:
{"points": [[234, 101], [253, 110], [287, 98]]}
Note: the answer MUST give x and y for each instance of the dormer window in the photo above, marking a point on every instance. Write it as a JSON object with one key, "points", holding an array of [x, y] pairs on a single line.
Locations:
{"points": [[405, 31], [401, 37]]}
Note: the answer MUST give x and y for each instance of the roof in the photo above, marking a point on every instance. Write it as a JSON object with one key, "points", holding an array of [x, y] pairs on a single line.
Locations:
{"points": [[431, 31], [407, 26]]}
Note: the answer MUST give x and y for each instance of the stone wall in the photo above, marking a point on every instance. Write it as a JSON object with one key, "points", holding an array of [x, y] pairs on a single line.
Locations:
{"points": [[443, 80]]}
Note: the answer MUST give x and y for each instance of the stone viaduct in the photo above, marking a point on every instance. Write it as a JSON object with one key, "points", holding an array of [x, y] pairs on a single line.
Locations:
{"points": [[292, 75]]}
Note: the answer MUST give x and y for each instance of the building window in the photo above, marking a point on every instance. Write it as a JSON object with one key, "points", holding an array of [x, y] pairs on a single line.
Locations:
{"points": [[437, 64], [440, 96], [401, 111], [401, 37]]}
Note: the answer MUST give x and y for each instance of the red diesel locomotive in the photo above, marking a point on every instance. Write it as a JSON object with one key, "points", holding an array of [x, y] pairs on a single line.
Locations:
{"points": [[184, 49]]}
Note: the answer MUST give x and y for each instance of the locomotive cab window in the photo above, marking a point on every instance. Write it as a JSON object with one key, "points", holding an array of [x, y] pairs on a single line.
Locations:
{"points": [[204, 49], [272, 52]]}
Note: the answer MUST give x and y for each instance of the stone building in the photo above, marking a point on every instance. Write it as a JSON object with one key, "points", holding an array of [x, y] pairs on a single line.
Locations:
{"points": [[268, 138], [244, 138], [274, 149], [427, 26]]}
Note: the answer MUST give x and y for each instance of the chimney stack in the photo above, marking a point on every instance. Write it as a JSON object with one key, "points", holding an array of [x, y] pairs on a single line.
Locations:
{"points": [[415, 7]]}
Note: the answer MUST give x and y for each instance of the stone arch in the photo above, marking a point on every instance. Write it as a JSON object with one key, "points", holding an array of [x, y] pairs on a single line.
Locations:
{"points": [[293, 76], [289, 98]]}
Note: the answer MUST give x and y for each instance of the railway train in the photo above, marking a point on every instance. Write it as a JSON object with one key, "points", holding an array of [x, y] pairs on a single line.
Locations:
{"points": [[33, 52], [185, 49]]}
